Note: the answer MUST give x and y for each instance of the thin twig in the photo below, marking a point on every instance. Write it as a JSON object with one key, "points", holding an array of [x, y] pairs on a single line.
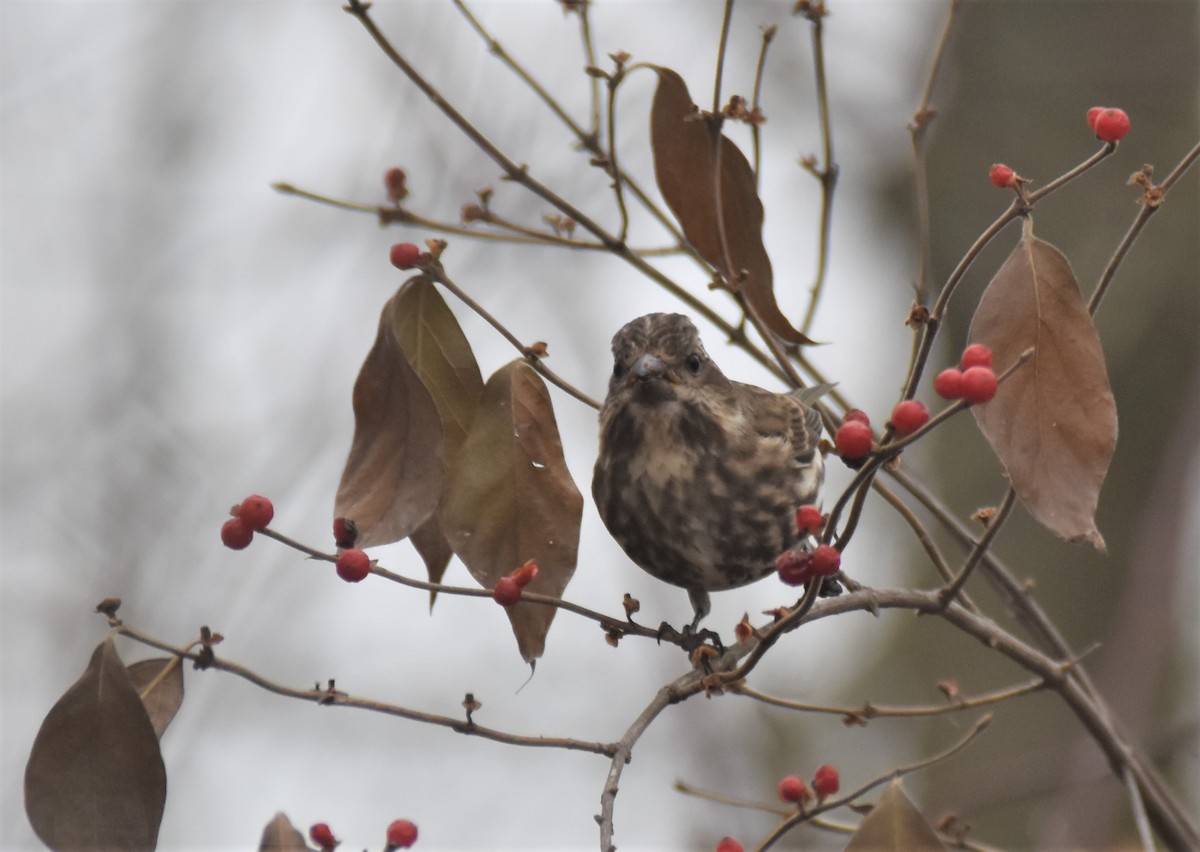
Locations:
{"points": [[952, 589], [768, 34], [1152, 199], [330, 697], [725, 21], [827, 174], [438, 273], [803, 816], [861, 715], [612, 624], [920, 124]]}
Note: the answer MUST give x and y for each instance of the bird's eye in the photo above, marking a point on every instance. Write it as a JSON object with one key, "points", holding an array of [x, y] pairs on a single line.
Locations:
{"points": [[694, 363], [618, 369]]}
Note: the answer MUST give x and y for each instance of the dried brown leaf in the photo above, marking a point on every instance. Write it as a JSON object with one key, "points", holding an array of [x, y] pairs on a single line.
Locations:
{"points": [[894, 823], [685, 167], [1053, 424], [280, 835], [413, 401], [512, 499], [95, 777], [164, 700], [434, 550]]}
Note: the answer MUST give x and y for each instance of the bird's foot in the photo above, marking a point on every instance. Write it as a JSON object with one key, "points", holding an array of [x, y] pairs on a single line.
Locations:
{"points": [[690, 638]]}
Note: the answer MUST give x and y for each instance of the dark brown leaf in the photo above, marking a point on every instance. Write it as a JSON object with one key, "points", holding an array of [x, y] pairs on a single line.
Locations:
{"points": [[512, 499], [281, 836], [685, 167], [164, 700], [413, 400], [1053, 424], [95, 777], [894, 823]]}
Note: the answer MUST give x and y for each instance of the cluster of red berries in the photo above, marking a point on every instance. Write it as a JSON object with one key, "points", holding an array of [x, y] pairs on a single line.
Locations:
{"points": [[1109, 124], [401, 834], [853, 438], [825, 783], [352, 564], [975, 381], [508, 588], [251, 515], [797, 567]]}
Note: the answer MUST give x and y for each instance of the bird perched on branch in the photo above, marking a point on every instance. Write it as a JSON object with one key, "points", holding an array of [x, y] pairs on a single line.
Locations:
{"points": [[699, 477]]}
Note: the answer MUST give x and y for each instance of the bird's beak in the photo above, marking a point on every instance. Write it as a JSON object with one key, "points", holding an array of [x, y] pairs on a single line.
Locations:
{"points": [[648, 367]]}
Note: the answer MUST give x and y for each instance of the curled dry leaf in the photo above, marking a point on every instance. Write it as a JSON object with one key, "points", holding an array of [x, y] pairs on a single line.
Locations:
{"points": [[280, 835], [894, 823], [413, 401], [686, 163], [512, 499], [1053, 423], [162, 680], [95, 777]]}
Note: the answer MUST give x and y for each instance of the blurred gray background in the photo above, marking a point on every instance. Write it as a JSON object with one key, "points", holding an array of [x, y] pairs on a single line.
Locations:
{"points": [[175, 335]]}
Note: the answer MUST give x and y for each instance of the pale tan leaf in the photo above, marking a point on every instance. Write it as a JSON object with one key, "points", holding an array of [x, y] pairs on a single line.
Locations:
{"points": [[163, 701], [1053, 424], [894, 824], [280, 835], [413, 400], [512, 499], [685, 167], [95, 777]]}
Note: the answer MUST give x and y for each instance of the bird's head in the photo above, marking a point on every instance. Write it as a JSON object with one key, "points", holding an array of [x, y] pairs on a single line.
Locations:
{"points": [[659, 358]]}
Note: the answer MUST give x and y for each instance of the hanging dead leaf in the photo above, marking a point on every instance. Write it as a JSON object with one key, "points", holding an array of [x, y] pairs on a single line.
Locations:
{"points": [[894, 823], [512, 499], [95, 777], [686, 162], [1053, 424], [281, 836], [162, 701], [413, 400], [434, 551]]}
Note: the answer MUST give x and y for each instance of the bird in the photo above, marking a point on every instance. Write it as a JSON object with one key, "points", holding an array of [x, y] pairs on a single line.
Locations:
{"points": [[698, 477]]}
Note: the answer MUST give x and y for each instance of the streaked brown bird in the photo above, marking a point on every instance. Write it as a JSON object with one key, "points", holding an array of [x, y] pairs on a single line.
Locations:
{"points": [[699, 477]]}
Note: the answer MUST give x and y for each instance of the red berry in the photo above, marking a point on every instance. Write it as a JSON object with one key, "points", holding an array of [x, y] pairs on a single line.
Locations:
{"points": [[345, 532], [524, 575], [794, 568], [507, 592], [396, 182], [1002, 176], [405, 255], [256, 511], [978, 384], [909, 416], [235, 534], [856, 414], [322, 835], [728, 844], [948, 384], [853, 439], [1111, 124], [792, 789], [809, 520], [825, 781], [353, 565], [1092, 115], [826, 560], [976, 355], [401, 834]]}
